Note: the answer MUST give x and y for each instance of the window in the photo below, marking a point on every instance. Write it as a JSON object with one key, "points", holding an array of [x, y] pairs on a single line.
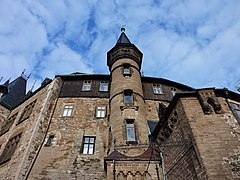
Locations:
{"points": [[130, 129], [7, 124], [101, 111], [10, 148], [236, 108], [128, 97], [50, 140], [173, 90], [88, 145], [86, 86], [27, 112], [68, 109], [126, 70], [157, 89], [103, 86]]}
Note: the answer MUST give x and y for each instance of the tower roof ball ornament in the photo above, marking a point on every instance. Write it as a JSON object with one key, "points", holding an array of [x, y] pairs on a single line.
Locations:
{"points": [[123, 28]]}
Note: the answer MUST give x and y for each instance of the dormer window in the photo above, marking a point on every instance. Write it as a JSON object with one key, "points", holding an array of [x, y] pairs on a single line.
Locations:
{"points": [[173, 90], [157, 89], [86, 86], [126, 70], [103, 86]]}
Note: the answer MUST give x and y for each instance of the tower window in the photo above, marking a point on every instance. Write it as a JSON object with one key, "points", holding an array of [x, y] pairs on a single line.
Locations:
{"points": [[88, 145], [103, 86], [86, 86], [10, 148], [68, 109], [157, 89], [101, 111], [126, 70], [130, 129], [128, 97]]}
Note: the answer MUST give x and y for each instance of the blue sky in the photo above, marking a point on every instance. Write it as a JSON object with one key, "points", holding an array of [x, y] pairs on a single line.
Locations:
{"points": [[193, 42]]}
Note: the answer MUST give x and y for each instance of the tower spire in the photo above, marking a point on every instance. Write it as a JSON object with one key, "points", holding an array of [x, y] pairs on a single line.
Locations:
{"points": [[123, 39]]}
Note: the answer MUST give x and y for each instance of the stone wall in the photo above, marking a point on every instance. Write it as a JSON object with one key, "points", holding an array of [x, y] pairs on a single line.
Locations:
{"points": [[32, 132], [180, 155], [216, 137], [64, 158], [4, 113]]}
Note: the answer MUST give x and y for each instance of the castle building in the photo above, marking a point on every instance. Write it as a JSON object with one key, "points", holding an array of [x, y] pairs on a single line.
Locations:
{"points": [[121, 126]]}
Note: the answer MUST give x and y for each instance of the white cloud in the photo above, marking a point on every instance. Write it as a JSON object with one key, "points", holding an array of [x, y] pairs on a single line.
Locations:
{"points": [[193, 42], [62, 60]]}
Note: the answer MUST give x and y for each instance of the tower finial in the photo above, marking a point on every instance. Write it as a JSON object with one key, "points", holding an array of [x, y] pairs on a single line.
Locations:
{"points": [[123, 28]]}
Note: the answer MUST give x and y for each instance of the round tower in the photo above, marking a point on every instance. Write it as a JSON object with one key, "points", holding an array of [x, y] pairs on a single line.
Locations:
{"points": [[128, 121]]}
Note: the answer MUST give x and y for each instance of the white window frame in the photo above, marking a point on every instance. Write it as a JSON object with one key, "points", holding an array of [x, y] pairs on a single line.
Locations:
{"points": [[130, 131], [86, 86], [174, 91], [67, 111], [127, 70], [157, 89], [88, 145], [101, 111], [103, 86]]}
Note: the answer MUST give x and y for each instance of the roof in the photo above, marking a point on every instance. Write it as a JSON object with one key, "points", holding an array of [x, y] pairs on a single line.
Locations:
{"points": [[123, 39], [149, 154], [152, 124], [16, 92]]}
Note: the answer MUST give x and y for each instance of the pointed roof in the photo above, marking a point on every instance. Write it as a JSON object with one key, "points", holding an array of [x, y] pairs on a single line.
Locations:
{"points": [[119, 51], [16, 92], [123, 39]]}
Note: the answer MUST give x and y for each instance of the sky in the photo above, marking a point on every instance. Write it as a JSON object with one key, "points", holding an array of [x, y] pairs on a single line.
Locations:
{"points": [[193, 42]]}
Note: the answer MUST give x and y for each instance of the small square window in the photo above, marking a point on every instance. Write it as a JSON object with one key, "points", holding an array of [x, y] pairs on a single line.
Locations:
{"points": [[68, 109], [86, 86], [157, 89], [128, 97], [88, 145], [103, 86], [130, 129], [101, 111], [126, 70]]}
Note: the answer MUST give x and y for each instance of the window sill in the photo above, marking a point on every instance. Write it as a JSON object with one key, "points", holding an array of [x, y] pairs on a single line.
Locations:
{"points": [[131, 142]]}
